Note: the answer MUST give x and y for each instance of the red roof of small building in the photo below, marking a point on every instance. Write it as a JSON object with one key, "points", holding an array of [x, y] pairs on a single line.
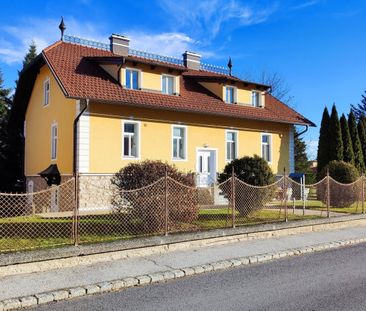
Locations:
{"points": [[81, 77]]}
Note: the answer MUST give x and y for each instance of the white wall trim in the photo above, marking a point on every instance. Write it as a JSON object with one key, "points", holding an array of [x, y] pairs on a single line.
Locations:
{"points": [[83, 141], [291, 149]]}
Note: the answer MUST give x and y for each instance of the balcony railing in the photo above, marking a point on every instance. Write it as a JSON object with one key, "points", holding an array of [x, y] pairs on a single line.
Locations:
{"points": [[87, 42], [157, 57], [213, 68]]}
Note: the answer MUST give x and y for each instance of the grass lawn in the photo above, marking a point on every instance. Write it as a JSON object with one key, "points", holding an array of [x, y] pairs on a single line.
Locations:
{"points": [[355, 208], [34, 232]]}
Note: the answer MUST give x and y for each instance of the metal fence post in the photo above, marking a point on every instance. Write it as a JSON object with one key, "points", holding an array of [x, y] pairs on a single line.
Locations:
{"points": [[233, 196], [328, 194], [285, 194], [363, 193], [166, 202]]}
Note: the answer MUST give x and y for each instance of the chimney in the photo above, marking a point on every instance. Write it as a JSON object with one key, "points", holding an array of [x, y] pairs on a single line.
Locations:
{"points": [[119, 44], [192, 60]]}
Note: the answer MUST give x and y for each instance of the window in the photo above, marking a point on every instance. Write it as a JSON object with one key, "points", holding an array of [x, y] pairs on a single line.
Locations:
{"points": [[131, 139], [266, 147], [230, 94], [231, 145], [179, 142], [54, 136], [168, 84], [256, 99], [132, 79], [46, 92]]}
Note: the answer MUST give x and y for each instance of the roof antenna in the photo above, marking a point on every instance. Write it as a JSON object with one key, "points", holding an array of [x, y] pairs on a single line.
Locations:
{"points": [[230, 65], [62, 27]]}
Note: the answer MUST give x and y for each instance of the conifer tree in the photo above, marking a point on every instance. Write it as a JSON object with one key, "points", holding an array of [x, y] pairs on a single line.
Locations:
{"points": [[356, 144], [335, 142], [324, 136], [359, 110], [29, 57], [348, 155], [362, 136]]}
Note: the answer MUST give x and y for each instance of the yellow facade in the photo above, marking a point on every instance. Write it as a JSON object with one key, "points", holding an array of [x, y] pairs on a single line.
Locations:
{"points": [[38, 122], [203, 132], [105, 130]]}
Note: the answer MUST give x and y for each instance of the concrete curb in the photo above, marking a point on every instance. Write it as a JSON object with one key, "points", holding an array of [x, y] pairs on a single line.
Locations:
{"points": [[116, 285]]}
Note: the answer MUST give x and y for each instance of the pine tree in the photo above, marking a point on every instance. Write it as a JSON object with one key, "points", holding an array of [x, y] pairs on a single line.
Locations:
{"points": [[356, 144], [324, 136], [360, 109], [362, 136], [348, 155], [29, 57], [335, 142], [4, 93]]}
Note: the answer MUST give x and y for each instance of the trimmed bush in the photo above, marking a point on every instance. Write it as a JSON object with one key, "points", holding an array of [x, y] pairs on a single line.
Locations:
{"points": [[253, 171], [145, 208], [340, 195]]}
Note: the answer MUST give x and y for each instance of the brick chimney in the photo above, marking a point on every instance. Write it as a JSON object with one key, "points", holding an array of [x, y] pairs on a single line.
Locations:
{"points": [[192, 60], [119, 44]]}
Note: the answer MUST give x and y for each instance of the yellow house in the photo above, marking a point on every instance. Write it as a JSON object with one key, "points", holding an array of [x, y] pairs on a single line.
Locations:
{"points": [[92, 108]]}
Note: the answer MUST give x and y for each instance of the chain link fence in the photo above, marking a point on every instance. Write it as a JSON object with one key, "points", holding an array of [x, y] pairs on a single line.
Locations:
{"points": [[102, 213]]}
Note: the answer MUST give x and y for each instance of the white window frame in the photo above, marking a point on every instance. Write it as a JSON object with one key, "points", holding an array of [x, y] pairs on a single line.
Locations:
{"points": [[236, 144], [46, 94], [270, 146], [185, 143], [234, 94], [54, 141], [174, 83], [138, 147], [139, 77], [259, 98]]}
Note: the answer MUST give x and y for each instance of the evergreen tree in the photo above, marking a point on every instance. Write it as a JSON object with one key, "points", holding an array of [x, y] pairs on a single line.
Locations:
{"points": [[29, 57], [362, 136], [360, 109], [301, 158], [335, 142], [324, 136], [348, 155], [356, 144]]}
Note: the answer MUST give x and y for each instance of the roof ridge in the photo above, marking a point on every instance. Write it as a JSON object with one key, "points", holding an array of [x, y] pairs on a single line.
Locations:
{"points": [[46, 49]]}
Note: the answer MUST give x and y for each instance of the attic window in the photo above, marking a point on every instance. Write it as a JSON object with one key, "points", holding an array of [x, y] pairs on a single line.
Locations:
{"points": [[256, 99], [168, 83], [230, 94], [132, 79]]}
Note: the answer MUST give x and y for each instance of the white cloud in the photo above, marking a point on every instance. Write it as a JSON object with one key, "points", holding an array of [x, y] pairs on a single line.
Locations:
{"points": [[206, 18], [304, 5], [15, 39], [168, 43]]}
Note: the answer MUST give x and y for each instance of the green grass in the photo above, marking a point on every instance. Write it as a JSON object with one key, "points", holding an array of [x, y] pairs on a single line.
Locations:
{"points": [[320, 206], [55, 232]]}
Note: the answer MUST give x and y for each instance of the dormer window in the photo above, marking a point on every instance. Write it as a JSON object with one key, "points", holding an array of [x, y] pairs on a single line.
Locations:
{"points": [[168, 83], [256, 99], [132, 79], [230, 94]]}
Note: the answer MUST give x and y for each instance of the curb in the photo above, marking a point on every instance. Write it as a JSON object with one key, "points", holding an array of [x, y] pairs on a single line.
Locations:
{"points": [[116, 285]]}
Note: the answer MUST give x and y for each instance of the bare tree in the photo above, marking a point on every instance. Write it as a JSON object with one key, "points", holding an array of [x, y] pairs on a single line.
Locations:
{"points": [[279, 87]]}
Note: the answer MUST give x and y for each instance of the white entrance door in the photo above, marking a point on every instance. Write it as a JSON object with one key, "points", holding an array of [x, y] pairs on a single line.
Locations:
{"points": [[205, 168]]}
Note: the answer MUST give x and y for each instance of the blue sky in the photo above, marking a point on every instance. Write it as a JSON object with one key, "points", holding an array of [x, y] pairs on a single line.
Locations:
{"points": [[317, 46]]}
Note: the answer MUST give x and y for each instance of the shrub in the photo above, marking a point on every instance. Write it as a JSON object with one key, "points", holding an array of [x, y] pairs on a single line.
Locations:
{"points": [[340, 195], [253, 171], [146, 207]]}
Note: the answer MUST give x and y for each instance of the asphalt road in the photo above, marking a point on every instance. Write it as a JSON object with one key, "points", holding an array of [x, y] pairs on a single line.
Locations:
{"points": [[331, 280]]}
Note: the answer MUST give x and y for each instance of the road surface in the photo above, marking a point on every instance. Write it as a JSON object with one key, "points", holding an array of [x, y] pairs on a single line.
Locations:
{"points": [[330, 280]]}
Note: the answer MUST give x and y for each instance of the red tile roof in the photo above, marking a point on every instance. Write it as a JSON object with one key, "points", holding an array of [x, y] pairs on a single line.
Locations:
{"points": [[83, 78]]}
